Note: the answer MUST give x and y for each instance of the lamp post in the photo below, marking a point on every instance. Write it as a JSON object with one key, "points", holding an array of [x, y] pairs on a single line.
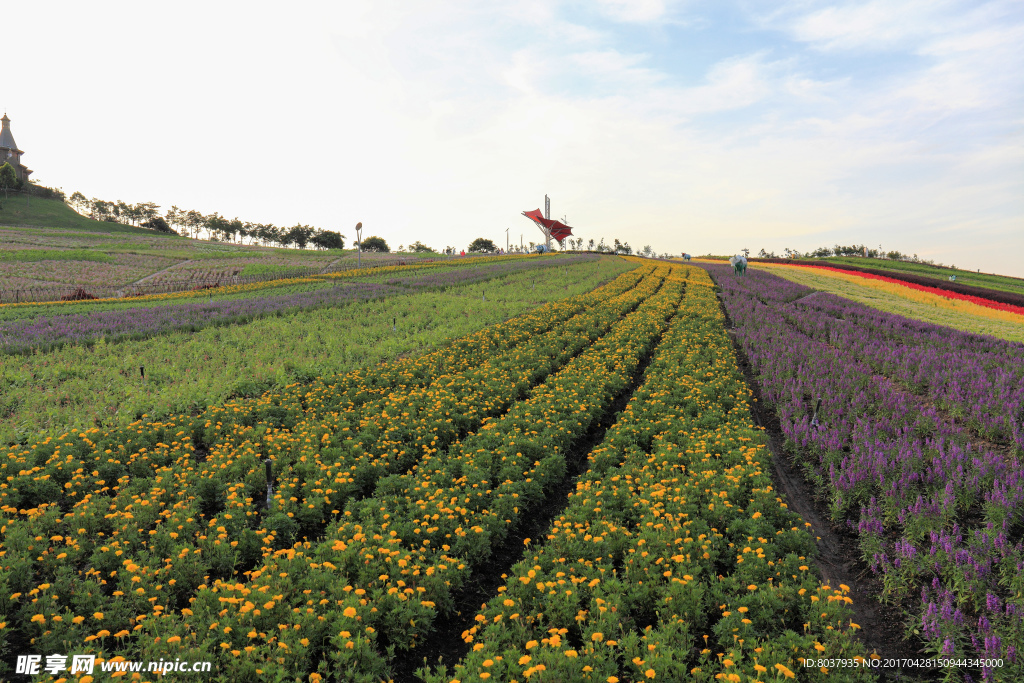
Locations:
{"points": [[506, 240], [359, 243]]}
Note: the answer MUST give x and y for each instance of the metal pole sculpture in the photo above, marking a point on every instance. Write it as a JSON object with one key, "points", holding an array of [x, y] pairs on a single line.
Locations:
{"points": [[547, 232], [552, 229], [359, 242]]}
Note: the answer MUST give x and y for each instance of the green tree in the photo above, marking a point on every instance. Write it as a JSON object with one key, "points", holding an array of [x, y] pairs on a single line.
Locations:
{"points": [[175, 216], [328, 239], [301, 234], [102, 211], [159, 224], [285, 237], [195, 222], [78, 202], [270, 234], [481, 244], [374, 243], [8, 178], [215, 224], [235, 227], [420, 248], [147, 211]]}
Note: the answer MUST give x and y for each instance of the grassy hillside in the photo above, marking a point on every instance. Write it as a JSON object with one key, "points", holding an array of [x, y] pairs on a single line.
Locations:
{"points": [[43, 243], [19, 210]]}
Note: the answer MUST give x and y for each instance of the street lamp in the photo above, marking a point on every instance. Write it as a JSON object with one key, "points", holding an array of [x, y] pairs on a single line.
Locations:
{"points": [[359, 243]]}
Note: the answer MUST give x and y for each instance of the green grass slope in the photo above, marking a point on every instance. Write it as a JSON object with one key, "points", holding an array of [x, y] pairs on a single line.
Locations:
{"points": [[35, 212], [44, 243]]}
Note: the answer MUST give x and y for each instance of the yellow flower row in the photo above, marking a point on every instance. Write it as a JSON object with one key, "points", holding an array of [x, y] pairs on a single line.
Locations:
{"points": [[165, 522], [659, 524]]}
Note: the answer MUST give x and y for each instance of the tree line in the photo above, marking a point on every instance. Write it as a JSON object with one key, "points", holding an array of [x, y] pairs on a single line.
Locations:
{"points": [[841, 250], [193, 223]]}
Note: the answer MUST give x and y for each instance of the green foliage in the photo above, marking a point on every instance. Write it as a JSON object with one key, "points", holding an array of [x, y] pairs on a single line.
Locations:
{"points": [[33, 255], [159, 224], [376, 244], [420, 248], [8, 177], [481, 244], [328, 239]]}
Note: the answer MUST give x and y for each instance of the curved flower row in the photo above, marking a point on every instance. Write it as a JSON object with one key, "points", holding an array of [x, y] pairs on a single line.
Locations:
{"points": [[902, 290], [160, 546], [387, 567], [935, 291], [674, 559]]}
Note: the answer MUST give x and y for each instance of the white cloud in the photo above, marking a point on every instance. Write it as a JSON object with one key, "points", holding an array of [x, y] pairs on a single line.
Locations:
{"points": [[641, 11], [874, 24], [731, 84], [441, 120]]}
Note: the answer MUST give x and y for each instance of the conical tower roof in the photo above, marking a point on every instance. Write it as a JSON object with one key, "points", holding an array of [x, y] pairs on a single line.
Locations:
{"points": [[6, 139]]}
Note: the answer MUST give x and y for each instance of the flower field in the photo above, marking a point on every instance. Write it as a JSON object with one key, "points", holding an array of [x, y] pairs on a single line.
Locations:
{"points": [[393, 489], [572, 490], [917, 446], [674, 558], [239, 303], [895, 298], [168, 466], [79, 386], [973, 305]]}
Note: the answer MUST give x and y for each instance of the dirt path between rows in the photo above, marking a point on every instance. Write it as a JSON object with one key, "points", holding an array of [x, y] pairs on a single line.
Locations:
{"points": [[839, 558], [153, 275]]}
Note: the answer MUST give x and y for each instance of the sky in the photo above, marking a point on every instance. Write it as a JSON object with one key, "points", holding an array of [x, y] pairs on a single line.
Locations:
{"points": [[697, 126]]}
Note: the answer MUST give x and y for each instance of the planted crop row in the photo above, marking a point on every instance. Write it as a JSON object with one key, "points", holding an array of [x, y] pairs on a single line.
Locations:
{"points": [[125, 518], [388, 566], [46, 332], [248, 288], [938, 513], [674, 559], [978, 380], [76, 387], [44, 468]]}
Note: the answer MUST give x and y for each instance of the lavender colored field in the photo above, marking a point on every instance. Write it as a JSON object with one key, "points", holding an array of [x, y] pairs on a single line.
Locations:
{"points": [[43, 332], [917, 445], [464, 276]]}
